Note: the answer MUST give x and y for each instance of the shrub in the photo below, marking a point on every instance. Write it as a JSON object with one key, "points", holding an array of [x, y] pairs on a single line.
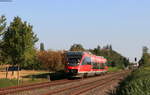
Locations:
{"points": [[137, 83]]}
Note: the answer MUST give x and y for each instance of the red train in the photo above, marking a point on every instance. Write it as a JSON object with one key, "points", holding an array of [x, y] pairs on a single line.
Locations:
{"points": [[83, 64]]}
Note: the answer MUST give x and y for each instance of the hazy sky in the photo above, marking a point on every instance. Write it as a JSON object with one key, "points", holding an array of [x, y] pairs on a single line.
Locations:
{"points": [[125, 24]]}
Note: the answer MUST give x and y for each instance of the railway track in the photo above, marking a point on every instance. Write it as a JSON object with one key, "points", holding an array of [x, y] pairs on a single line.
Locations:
{"points": [[4, 91], [84, 87], [17, 89], [99, 85], [14, 89]]}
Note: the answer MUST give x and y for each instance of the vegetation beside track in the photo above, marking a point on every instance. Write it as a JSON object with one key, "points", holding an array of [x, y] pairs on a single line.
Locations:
{"points": [[14, 82], [114, 69], [7, 82], [138, 82]]}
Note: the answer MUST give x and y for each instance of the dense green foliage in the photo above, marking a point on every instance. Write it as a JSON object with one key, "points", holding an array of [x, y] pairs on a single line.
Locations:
{"points": [[114, 58], [19, 41], [77, 47], [138, 82]]}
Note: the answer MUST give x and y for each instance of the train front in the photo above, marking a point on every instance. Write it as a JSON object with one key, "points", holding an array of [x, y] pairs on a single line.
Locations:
{"points": [[73, 62]]}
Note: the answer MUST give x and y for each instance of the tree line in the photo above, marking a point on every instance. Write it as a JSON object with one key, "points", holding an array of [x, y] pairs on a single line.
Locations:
{"points": [[17, 47]]}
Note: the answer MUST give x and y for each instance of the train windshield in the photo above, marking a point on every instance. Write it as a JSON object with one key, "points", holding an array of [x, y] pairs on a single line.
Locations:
{"points": [[74, 58], [74, 61]]}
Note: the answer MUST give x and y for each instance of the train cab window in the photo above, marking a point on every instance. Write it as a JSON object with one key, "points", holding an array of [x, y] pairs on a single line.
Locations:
{"points": [[73, 61], [98, 65], [86, 61]]}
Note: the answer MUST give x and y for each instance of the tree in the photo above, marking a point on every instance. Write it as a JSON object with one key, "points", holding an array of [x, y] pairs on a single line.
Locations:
{"points": [[97, 50], [42, 47], [2, 29], [52, 60], [145, 50], [98, 47], [145, 59], [19, 41], [77, 47], [2, 24], [126, 62], [108, 47], [135, 59]]}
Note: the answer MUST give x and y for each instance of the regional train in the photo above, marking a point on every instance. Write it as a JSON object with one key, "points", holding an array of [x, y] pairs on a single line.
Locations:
{"points": [[84, 64]]}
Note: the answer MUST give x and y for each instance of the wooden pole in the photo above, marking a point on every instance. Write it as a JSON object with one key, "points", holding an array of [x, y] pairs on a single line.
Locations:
{"points": [[6, 72], [18, 74]]}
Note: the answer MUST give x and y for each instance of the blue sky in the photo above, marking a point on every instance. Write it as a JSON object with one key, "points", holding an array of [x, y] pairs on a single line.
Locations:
{"points": [[125, 24]]}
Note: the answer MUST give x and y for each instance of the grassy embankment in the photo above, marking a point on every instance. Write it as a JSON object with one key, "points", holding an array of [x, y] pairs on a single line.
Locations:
{"points": [[137, 83]]}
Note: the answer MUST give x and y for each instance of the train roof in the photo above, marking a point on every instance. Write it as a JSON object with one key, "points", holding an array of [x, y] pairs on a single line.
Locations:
{"points": [[79, 53], [74, 53]]}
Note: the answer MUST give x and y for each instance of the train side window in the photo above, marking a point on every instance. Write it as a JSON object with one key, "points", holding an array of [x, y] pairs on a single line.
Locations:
{"points": [[95, 65], [102, 65], [86, 61]]}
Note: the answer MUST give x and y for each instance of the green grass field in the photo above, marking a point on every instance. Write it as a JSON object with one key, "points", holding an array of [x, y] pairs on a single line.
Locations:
{"points": [[7, 82], [14, 82]]}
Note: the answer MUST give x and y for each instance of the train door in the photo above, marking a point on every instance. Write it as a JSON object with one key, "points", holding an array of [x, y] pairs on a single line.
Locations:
{"points": [[85, 65]]}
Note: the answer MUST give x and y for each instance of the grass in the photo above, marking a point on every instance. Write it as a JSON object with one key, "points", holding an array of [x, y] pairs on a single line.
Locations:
{"points": [[7, 82], [23, 81], [14, 82], [113, 69], [32, 78]]}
